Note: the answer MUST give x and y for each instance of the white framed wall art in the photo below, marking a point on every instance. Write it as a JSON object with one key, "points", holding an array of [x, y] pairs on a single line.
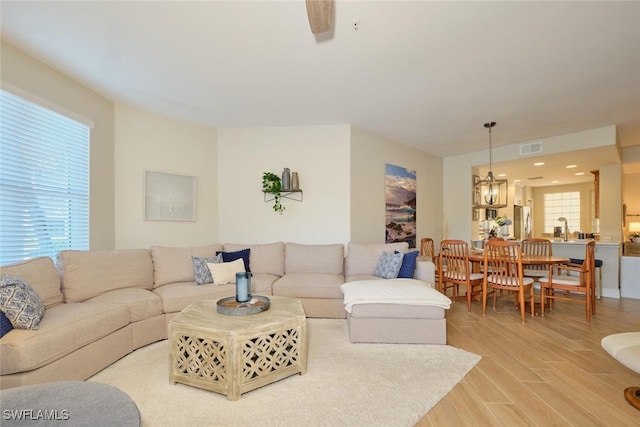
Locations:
{"points": [[169, 197]]}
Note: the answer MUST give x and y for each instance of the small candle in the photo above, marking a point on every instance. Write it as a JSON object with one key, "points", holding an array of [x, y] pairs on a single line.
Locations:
{"points": [[242, 287]]}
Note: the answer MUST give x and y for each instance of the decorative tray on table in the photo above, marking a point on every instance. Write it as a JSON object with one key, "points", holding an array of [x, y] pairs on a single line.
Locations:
{"points": [[231, 307]]}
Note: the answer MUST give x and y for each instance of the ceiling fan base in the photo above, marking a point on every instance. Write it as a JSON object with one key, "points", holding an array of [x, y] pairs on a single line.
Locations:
{"points": [[320, 14]]}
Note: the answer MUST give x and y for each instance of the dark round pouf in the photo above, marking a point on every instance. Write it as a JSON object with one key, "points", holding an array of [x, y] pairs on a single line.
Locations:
{"points": [[67, 403]]}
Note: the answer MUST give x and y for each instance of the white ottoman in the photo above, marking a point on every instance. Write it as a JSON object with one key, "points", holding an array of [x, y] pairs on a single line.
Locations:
{"points": [[625, 348], [405, 311]]}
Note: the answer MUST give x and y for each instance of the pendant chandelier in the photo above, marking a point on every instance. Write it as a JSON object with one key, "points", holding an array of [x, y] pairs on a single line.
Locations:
{"points": [[491, 191]]}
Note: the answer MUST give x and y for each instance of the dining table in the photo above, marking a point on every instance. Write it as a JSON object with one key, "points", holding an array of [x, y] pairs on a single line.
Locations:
{"points": [[476, 257]]}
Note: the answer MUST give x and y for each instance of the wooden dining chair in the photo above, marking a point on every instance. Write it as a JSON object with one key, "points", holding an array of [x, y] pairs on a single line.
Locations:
{"points": [[503, 271], [579, 287], [454, 254], [427, 249], [537, 246]]}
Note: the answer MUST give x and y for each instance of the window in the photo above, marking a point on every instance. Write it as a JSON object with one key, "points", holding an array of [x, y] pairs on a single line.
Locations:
{"points": [[558, 205], [44, 181]]}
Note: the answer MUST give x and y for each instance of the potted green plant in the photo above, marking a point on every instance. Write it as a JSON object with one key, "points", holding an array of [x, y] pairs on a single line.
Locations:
{"points": [[504, 223], [272, 184]]}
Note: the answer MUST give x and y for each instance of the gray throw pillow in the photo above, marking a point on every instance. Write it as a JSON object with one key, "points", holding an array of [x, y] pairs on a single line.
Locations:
{"points": [[20, 303], [201, 272], [389, 265]]}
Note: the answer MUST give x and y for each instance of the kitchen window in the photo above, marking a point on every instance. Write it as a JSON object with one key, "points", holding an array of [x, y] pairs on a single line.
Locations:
{"points": [[565, 204]]}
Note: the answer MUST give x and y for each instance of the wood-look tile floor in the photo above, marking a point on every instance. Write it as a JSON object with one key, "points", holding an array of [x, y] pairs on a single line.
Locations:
{"points": [[551, 371]]}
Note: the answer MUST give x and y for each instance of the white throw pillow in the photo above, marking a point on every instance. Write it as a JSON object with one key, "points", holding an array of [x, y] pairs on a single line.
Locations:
{"points": [[225, 272]]}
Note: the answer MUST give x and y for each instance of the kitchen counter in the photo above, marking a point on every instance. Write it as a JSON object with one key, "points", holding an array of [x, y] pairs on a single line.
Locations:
{"points": [[584, 241], [608, 252], [629, 273]]}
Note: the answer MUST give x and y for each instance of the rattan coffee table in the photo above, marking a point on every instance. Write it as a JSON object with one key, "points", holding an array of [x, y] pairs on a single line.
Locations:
{"points": [[236, 354]]}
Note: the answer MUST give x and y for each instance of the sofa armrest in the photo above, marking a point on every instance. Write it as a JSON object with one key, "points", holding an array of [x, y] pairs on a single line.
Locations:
{"points": [[425, 271]]}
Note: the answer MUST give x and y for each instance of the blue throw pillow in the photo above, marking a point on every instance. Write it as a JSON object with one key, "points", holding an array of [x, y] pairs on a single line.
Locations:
{"points": [[5, 325], [408, 265], [20, 303], [201, 272], [389, 265], [241, 254]]}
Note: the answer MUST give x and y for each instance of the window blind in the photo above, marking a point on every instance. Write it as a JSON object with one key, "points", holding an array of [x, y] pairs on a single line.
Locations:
{"points": [[44, 181]]}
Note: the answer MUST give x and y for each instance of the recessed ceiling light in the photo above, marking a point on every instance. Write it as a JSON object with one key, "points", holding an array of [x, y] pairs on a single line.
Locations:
{"points": [[571, 166], [516, 180], [538, 164], [502, 174], [555, 182], [579, 173]]}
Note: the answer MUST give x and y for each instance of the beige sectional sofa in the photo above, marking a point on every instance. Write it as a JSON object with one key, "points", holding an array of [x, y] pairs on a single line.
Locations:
{"points": [[101, 305]]}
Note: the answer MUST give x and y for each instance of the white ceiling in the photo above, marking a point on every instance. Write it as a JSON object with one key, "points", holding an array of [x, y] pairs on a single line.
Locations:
{"points": [[424, 73], [554, 170]]}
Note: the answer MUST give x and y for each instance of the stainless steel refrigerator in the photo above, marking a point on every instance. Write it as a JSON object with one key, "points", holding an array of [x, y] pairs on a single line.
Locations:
{"points": [[522, 222]]}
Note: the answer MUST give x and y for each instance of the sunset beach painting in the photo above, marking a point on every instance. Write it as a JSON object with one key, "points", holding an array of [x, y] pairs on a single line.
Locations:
{"points": [[400, 205]]}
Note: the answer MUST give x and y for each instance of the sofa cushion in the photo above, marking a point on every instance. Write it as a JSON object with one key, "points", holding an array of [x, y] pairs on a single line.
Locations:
{"points": [[177, 296], [225, 272], [172, 264], [357, 277], [41, 274], [389, 265], [86, 274], [201, 271], [242, 254], [63, 329], [300, 258], [309, 285], [142, 303], [265, 258], [20, 303], [362, 258]]}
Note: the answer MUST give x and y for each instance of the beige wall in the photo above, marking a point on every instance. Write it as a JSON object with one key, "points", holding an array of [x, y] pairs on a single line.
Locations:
{"points": [[369, 155], [28, 74], [320, 155], [611, 203], [147, 141]]}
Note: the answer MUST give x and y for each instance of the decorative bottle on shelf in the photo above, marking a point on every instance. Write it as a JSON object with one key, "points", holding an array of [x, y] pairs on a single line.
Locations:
{"points": [[295, 184], [286, 179]]}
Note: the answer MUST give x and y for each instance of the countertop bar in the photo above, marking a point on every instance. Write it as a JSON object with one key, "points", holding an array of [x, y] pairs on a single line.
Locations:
{"points": [[584, 241]]}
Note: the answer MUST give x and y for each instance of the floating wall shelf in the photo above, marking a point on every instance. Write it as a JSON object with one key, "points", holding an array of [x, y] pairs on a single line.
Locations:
{"points": [[285, 194]]}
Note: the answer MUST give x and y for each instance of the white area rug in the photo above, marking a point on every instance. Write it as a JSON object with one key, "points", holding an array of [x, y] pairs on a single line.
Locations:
{"points": [[345, 385]]}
